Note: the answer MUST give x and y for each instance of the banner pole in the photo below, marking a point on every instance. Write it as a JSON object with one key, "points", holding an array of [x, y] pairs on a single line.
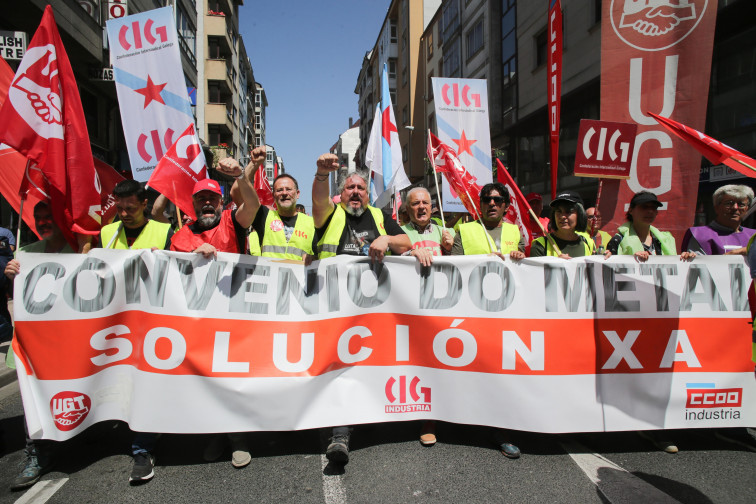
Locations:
{"points": [[435, 179], [21, 209]]}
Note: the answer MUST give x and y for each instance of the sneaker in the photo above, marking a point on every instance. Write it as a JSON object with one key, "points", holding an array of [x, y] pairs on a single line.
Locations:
{"points": [[29, 475], [240, 456], [509, 450], [142, 470], [662, 444], [338, 450], [428, 434]]}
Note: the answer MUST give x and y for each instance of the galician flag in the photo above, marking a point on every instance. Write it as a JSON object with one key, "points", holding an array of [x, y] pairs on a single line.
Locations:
{"points": [[384, 153]]}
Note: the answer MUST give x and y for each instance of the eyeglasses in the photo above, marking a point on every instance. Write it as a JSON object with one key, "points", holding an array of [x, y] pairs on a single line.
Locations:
{"points": [[731, 203], [592, 217], [497, 200]]}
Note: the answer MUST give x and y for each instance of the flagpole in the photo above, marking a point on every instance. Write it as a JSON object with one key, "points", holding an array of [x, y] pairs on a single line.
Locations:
{"points": [[21, 210], [115, 235], [744, 164], [435, 179]]}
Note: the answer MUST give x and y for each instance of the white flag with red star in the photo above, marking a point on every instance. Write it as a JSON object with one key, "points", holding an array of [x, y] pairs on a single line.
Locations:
{"points": [[462, 123], [152, 94]]}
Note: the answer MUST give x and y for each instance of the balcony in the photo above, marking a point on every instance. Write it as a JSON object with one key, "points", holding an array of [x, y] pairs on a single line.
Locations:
{"points": [[216, 113], [217, 70], [217, 26]]}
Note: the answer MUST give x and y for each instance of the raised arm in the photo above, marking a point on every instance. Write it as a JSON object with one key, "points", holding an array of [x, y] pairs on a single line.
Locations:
{"points": [[248, 203], [322, 206]]}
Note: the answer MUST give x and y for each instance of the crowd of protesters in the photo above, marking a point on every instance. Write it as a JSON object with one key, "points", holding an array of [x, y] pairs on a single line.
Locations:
{"points": [[353, 227]]}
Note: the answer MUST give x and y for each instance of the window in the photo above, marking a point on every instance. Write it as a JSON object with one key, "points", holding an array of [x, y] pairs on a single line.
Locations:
{"points": [[405, 157], [429, 44], [404, 115], [392, 68], [541, 42], [451, 60], [392, 31], [509, 56], [213, 92], [429, 89], [450, 18], [186, 34], [475, 39], [213, 48]]}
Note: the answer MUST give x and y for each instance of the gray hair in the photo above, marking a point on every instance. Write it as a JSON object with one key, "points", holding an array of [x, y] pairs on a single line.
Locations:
{"points": [[739, 192], [360, 174], [414, 190]]}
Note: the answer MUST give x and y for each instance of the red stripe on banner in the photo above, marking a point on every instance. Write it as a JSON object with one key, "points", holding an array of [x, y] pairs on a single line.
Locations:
{"points": [[227, 348]]}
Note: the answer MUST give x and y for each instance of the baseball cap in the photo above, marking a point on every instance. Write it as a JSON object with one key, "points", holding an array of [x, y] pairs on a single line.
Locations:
{"points": [[568, 196], [533, 196], [645, 197], [207, 185]]}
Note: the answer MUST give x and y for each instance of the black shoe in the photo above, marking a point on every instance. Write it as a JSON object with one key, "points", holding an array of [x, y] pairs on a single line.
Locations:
{"points": [[29, 475], [144, 463], [338, 450]]}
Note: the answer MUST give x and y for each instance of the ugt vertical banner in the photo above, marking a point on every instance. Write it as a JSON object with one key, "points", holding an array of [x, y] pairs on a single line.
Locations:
{"points": [[656, 57], [462, 119], [554, 75], [152, 94]]}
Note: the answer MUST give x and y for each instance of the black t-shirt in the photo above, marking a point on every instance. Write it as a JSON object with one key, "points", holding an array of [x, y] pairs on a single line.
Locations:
{"points": [[359, 232], [262, 215]]}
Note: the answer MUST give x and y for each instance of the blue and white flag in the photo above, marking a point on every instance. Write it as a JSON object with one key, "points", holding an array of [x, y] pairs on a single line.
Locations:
{"points": [[384, 153], [152, 94]]}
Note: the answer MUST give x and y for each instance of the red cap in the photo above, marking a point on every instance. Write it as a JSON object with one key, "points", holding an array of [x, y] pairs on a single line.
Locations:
{"points": [[207, 185], [533, 196]]}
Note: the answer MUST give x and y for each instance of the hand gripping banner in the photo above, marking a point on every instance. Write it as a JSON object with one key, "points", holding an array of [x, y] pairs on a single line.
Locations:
{"points": [[171, 342]]}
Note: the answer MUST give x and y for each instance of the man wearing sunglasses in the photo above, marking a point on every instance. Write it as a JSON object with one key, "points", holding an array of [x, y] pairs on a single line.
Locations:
{"points": [[490, 235]]}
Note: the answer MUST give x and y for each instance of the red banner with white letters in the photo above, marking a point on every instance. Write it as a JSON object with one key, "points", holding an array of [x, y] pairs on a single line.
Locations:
{"points": [[656, 57], [173, 342], [554, 77]]}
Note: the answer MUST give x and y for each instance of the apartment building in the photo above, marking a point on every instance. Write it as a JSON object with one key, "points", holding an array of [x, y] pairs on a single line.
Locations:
{"points": [[346, 149]]}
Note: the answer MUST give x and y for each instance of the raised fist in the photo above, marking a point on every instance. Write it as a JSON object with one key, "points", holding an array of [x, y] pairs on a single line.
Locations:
{"points": [[327, 163]]}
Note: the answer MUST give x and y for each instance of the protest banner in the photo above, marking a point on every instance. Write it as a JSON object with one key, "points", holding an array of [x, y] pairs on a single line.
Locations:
{"points": [[656, 57], [152, 93], [462, 121], [172, 342]]}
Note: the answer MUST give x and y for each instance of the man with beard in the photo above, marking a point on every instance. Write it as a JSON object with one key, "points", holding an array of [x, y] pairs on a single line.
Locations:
{"points": [[217, 230], [283, 232], [354, 228], [134, 231], [38, 453]]}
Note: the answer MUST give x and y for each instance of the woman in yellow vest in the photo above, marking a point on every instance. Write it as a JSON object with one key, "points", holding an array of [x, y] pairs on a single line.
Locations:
{"points": [[638, 237], [568, 218]]}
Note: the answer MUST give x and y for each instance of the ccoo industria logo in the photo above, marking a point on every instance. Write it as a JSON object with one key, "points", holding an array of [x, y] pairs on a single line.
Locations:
{"points": [[396, 392], [69, 409], [707, 402], [653, 25]]}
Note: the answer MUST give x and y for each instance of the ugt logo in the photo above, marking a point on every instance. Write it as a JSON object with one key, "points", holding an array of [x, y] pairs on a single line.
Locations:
{"points": [[136, 34], [402, 405], [651, 25], [69, 409]]}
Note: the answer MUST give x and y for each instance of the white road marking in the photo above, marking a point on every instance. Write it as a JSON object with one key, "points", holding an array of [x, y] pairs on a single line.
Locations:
{"points": [[334, 490], [614, 482], [42, 491]]}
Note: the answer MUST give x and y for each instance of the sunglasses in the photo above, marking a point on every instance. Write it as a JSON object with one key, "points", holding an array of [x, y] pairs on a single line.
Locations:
{"points": [[497, 200]]}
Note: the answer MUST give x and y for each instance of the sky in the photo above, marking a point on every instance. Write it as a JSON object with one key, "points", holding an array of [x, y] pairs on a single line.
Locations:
{"points": [[308, 55]]}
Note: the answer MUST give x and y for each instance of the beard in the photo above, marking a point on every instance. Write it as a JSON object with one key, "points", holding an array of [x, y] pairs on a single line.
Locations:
{"points": [[207, 221], [356, 212]]}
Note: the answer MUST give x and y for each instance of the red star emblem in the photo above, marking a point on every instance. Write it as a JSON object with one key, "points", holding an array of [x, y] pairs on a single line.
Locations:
{"points": [[463, 144], [387, 126], [151, 92]]}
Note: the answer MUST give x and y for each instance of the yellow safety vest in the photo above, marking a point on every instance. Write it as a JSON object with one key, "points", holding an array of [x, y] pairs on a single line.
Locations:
{"points": [[588, 243], [154, 234], [274, 240], [329, 243], [475, 239], [254, 243]]}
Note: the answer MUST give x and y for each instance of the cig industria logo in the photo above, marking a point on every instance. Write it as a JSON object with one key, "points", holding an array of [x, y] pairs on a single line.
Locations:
{"points": [[705, 401], [404, 397], [653, 25]]}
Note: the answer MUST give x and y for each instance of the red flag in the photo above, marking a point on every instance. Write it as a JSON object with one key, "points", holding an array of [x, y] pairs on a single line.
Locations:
{"points": [[262, 187], [714, 150], [42, 118], [275, 170], [519, 208], [179, 169], [554, 75], [108, 178], [461, 182]]}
